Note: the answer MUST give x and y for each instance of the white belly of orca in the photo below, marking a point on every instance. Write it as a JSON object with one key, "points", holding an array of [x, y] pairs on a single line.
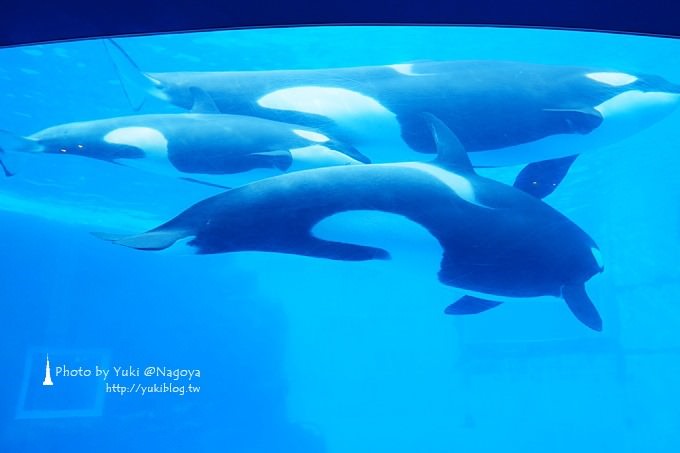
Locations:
{"points": [[408, 242], [372, 127], [414, 251], [151, 142], [316, 156], [623, 115]]}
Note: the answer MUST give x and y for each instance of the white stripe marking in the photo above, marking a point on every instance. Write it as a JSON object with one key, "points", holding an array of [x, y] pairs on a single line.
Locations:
{"points": [[615, 79], [357, 115], [149, 140], [598, 257], [316, 156], [460, 185], [311, 135], [332, 102], [404, 68]]}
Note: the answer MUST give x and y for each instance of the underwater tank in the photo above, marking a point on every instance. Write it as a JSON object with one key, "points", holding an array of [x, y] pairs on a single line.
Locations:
{"points": [[341, 239]]}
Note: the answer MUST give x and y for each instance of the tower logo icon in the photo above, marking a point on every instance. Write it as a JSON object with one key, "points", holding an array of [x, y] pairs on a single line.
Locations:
{"points": [[48, 374]]}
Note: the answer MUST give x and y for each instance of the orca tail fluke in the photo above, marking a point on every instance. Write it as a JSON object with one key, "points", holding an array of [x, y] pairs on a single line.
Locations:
{"points": [[10, 141], [151, 240], [5, 170], [137, 85], [581, 306]]}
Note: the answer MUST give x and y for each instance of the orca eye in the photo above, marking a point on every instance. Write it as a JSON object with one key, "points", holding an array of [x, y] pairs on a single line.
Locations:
{"points": [[63, 150], [80, 146]]}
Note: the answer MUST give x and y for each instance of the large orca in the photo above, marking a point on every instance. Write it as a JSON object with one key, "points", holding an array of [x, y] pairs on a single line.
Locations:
{"points": [[504, 113], [212, 148], [495, 239]]}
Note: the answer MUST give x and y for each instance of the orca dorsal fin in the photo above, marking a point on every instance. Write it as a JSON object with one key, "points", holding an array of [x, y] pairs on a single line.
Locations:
{"points": [[450, 151], [203, 103]]}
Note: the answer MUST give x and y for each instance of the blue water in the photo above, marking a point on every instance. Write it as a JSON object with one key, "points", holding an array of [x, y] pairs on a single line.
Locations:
{"points": [[303, 355]]}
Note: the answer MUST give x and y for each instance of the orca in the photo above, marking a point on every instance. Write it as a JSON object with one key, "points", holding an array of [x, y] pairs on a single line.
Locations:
{"points": [[495, 239], [504, 113], [216, 149]]}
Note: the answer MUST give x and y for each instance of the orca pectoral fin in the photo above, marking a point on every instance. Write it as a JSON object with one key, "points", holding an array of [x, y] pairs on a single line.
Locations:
{"points": [[469, 305], [342, 251], [416, 133], [151, 240], [540, 179], [581, 306]]}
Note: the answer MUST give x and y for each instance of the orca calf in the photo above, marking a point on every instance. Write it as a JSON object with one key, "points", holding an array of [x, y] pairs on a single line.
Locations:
{"points": [[504, 113], [217, 149], [495, 239]]}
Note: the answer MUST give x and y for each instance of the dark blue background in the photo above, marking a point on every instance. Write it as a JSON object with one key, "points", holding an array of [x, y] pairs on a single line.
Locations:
{"points": [[32, 21]]}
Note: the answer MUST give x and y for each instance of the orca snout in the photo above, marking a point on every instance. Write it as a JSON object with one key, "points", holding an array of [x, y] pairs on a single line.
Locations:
{"points": [[658, 83]]}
